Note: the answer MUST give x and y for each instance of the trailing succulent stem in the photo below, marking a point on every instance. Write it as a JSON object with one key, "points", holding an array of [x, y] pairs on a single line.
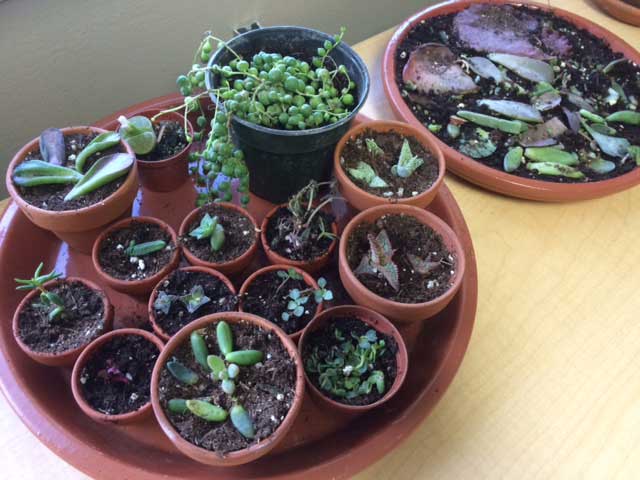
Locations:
{"points": [[50, 302]]}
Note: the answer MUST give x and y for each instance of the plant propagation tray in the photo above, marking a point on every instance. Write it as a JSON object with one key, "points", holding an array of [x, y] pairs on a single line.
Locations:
{"points": [[320, 445]]}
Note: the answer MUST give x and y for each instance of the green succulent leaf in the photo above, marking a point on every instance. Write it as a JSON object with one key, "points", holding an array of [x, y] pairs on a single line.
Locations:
{"points": [[141, 249], [182, 373], [207, 411], [511, 109], [373, 147], [479, 146], [527, 68], [37, 172], [614, 146], [244, 358], [407, 162], [199, 348], [555, 169], [138, 132], [104, 171], [98, 144], [224, 337], [195, 299], [508, 126], [242, 421], [216, 364], [513, 159], [551, 155], [630, 117]]}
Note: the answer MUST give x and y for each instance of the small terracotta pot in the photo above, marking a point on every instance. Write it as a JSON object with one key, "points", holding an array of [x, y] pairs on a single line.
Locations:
{"points": [[362, 199], [377, 322], [123, 418], [135, 287], [231, 267], [79, 228], [254, 451], [67, 358], [308, 279], [396, 311], [168, 174], [157, 329], [310, 266]]}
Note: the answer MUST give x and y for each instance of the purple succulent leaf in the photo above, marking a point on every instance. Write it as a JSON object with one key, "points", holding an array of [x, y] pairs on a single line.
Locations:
{"points": [[422, 266]]}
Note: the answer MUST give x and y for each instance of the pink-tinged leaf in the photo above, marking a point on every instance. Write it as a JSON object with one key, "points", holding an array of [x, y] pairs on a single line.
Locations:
{"points": [[422, 266], [573, 119], [365, 267], [385, 243], [432, 68], [543, 135], [556, 42], [390, 273], [498, 29]]}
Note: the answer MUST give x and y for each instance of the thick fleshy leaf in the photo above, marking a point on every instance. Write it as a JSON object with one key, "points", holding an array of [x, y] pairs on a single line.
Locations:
{"points": [[38, 172], [486, 69], [182, 373], [511, 109], [579, 101], [573, 119], [52, 146], [101, 142], [367, 174], [614, 146], [478, 146], [508, 126], [527, 68], [629, 117], [555, 169], [242, 421], [547, 101], [543, 135], [513, 159], [420, 265], [551, 155], [497, 28], [207, 411], [105, 170], [432, 68], [138, 133], [601, 166]]}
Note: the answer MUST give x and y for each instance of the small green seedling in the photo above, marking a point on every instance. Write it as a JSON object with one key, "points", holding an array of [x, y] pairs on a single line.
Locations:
{"points": [[210, 228], [297, 299], [379, 260], [49, 301], [195, 299], [407, 162], [146, 248], [372, 147]]}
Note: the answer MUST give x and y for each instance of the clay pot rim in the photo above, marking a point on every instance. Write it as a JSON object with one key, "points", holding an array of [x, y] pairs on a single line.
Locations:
{"points": [[426, 218], [86, 355], [194, 260], [153, 279], [279, 259], [621, 10], [258, 449], [404, 129], [32, 145], [308, 279], [177, 117], [474, 171], [157, 329], [402, 355], [44, 356]]}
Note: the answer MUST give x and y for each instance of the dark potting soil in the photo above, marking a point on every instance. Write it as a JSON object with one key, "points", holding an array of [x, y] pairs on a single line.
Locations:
{"points": [[239, 235], [117, 377], [82, 321], [355, 151], [280, 240], [407, 236], [267, 297], [323, 341], [51, 197], [180, 283], [118, 264], [266, 390], [582, 67], [171, 141]]}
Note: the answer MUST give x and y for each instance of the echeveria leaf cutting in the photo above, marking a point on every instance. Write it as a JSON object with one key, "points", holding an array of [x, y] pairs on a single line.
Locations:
{"points": [[199, 348], [242, 421], [527, 68], [182, 373], [513, 159], [207, 411], [551, 155], [614, 146], [629, 117], [511, 109], [555, 169], [486, 69]]}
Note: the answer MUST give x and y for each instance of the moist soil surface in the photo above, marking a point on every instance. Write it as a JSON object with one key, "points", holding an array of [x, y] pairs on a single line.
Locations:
{"points": [[51, 197], [239, 235], [82, 321], [582, 66], [118, 264], [117, 377], [180, 283], [355, 151], [266, 390], [279, 237], [171, 141], [323, 341], [266, 298], [407, 236]]}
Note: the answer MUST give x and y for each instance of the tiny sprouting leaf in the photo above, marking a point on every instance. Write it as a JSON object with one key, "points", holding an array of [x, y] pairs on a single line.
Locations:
{"points": [[294, 275], [285, 316], [242, 421], [215, 364], [299, 311], [244, 358], [294, 294], [233, 370], [373, 147], [199, 348], [182, 373], [367, 174], [328, 296], [322, 282], [207, 411], [282, 274], [228, 386], [163, 302], [195, 299], [224, 337]]}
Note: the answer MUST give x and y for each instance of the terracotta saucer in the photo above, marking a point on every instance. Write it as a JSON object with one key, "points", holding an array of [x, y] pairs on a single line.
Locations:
{"points": [[621, 10]]}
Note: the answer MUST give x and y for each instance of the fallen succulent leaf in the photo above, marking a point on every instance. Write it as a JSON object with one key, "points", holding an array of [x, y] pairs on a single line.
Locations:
{"points": [[544, 134]]}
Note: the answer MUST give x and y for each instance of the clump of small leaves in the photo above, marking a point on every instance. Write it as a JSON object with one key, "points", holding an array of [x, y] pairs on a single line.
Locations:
{"points": [[367, 174], [348, 369], [299, 298], [379, 260], [407, 162], [192, 301], [224, 368], [267, 89], [50, 302], [51, 170], [210, 228]]}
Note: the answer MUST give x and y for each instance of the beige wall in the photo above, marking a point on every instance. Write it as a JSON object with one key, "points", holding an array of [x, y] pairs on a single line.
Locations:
{"points": [[68, 62]]}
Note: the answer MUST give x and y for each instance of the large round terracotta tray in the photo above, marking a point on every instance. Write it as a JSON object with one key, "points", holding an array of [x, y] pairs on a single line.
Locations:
{"points": [[483, 175], [621, 10], [320, 446]]}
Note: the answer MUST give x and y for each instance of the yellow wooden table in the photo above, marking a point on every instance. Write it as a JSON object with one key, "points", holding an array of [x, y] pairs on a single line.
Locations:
{"points": [[550, 386]]}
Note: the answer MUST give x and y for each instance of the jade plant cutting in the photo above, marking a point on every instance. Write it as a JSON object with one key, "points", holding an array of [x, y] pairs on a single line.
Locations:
{"points": [[224, 370], [51, 169], [50, 302], [268, 89], [347, 368], [525, 92]]}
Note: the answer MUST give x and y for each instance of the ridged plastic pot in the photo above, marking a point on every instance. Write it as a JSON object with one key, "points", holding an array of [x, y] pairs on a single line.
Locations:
{"points": [[281, 162], [79, 228], [122, 418], [255, 451], [68, 357]]}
